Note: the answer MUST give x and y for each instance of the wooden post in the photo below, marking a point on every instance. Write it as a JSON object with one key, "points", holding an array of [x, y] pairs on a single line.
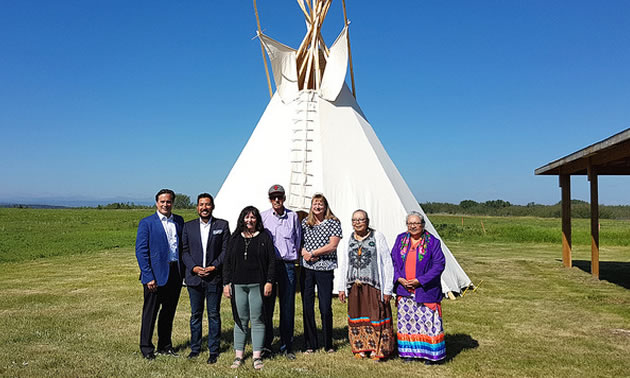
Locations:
{"points": [[345, 17], [592, 177], [262, 48], [565, 184]]}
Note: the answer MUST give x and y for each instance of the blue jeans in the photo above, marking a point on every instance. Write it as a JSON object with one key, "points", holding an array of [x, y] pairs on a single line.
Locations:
{"points": [[285, 290], [212, 295]]}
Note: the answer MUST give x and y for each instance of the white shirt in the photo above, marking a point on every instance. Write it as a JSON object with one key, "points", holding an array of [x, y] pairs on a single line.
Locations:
{"points": [[204, 230], [171, 235]]}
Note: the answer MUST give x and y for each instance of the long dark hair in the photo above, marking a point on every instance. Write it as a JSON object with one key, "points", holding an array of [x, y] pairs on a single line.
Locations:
{"points": [[240, 224]]}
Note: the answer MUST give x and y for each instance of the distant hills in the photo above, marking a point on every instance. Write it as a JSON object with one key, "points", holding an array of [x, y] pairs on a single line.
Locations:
{"points": [[69, 202], [32, 206], [579, 209]]}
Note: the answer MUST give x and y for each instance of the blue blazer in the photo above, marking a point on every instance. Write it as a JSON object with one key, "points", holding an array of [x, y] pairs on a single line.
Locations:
{"points": [[192, 250], [152, 248]]}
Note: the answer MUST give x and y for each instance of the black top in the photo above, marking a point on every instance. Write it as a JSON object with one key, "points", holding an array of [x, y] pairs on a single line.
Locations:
{"points": [[258, 267]]}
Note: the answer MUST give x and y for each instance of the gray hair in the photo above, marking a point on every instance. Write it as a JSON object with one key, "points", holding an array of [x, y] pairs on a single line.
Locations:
{"points": [[367, 218], [414, 213]]}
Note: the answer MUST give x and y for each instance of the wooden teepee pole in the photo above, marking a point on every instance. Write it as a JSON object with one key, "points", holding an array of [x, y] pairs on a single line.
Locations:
{"points": [[262, 49], [345, 17]]}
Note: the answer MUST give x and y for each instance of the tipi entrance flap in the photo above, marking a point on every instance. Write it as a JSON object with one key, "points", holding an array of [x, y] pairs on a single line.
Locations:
{"points": [[283, 66], [336, 67]]}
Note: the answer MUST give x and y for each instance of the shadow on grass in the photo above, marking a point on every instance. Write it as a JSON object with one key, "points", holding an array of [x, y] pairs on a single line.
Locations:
{"points": [[458, 342], [616, 272], [339, 335], [340, 339], [227, 336]]}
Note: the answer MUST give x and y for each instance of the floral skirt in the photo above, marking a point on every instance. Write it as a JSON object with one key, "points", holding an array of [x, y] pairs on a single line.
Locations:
{"points": [[370, 322], [420, 332]]}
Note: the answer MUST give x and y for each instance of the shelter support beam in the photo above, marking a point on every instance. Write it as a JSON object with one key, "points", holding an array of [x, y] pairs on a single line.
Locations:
{"points": [[592, 177], [345, 18], [565, 185], [262, 49]]}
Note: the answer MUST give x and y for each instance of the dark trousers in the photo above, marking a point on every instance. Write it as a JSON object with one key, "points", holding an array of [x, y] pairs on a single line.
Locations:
{"points": [[210, 293], [324, 281], [163, 301], [285, 290]]}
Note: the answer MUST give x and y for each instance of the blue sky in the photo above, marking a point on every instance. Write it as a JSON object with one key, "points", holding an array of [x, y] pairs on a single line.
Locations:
{"points": [[113, 100]]}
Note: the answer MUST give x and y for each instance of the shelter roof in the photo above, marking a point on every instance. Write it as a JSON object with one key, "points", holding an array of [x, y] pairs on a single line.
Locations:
{"points": [[610, 156]]}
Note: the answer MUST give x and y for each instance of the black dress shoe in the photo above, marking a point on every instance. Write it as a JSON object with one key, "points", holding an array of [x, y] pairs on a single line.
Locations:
{"points": [[149, 356], [212, 359], [193, 355], [266, 353], [168, 352]]}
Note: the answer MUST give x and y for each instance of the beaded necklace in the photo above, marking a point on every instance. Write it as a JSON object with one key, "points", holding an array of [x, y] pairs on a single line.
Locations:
{"points": [[421, 248]]}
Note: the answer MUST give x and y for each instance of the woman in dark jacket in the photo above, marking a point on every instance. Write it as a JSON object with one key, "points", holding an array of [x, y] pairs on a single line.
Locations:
{"points": [[248, 273]]}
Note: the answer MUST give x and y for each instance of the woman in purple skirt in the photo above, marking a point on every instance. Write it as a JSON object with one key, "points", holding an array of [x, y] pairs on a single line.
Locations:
{"points": [[418, 264]]}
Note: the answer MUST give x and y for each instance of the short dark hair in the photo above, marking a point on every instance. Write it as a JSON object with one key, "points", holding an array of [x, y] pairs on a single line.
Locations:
{"points": [[165, 191], [205, 195]]}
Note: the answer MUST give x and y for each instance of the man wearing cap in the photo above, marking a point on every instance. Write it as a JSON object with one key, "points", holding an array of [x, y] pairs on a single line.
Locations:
{"points": [[284, 227]]}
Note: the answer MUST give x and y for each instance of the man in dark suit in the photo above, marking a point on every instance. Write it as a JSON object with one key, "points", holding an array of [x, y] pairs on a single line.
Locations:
{"points": [[158, 247], [204, 243]]}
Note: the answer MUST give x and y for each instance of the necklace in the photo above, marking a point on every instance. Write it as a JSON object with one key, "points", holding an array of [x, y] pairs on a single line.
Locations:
{"points": [[359, 237], [247, 241]]}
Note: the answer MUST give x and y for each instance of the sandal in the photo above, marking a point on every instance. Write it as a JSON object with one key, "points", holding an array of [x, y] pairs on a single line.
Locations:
{"points": [[309, 351], [359, 356], [258, 363], [237, 363]]}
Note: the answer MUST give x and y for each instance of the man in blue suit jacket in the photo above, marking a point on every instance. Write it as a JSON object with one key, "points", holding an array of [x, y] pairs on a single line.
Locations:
{"points": [[204, 243], [158, 247]]}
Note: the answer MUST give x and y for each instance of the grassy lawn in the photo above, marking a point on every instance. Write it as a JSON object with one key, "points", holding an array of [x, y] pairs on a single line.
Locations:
{"points": [[78, 313]]}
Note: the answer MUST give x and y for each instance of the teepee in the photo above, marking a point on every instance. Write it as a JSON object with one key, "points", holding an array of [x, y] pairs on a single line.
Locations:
{"points": [[313, 137]]}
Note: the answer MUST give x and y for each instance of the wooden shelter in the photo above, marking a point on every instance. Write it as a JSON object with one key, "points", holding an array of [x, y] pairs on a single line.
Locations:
{"points": [[610, 156]]}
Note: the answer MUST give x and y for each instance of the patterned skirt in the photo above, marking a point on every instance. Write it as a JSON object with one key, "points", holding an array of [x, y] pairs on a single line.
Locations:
{"points": [[420, 332], [370, 322]]}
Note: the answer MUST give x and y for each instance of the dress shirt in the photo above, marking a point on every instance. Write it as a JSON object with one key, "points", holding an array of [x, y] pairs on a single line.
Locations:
{"points": [[171, 235], [285, 231], [204, 231]]}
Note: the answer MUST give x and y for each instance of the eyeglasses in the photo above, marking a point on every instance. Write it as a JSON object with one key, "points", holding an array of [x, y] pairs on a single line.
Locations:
{"points": [[413, 224], [276, 198], [362, 220]]}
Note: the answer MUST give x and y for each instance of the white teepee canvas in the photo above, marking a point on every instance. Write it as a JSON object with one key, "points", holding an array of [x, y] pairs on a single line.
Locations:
{"points": [[318, 140]]}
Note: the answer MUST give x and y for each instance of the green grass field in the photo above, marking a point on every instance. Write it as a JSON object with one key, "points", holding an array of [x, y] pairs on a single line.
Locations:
{"points": [[70, 304]]}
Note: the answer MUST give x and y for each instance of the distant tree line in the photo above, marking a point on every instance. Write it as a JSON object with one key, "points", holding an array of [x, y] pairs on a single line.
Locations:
{"points": [[122, 205], [34, 206], [182, 201], [579, 209]]}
